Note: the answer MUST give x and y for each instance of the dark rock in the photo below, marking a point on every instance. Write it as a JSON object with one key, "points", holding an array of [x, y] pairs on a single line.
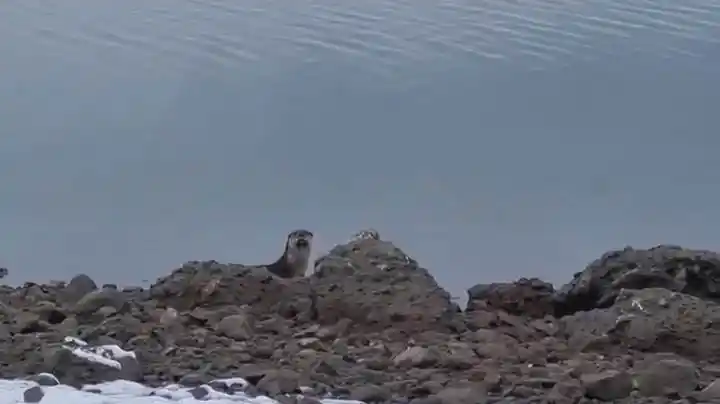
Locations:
{"points": [[78, 365], [417, 357], [654, 320], [666, 377], [33, 394], [376, 285], [45, 379], [211, 285], [79, 286], [710, 393], [694, 272], [199, 392], [370, 393], [607, 386], [526, 297], [471, 394], [308, 400], [94, 301], [29, 323], [566, 392], [194, 380], [427, 400], [277, 382]]}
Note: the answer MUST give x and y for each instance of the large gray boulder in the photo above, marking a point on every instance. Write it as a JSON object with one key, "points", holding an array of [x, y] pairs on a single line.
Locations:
{"points": [[694, 272]]}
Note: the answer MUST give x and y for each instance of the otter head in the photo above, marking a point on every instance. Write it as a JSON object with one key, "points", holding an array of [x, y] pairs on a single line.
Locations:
{"points": [[299, 240], [297, 250]]}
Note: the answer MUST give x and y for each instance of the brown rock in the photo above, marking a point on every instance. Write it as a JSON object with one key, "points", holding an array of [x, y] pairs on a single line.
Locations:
{"points": [[93, 301], [607, 386], [277, 382], [470, 394], [79, 286], [417, 357], [237, 326], [667, 377], [29, 322], [496, 350], [370, 393], [673, 268], [639, 321], [526, 297], [376, 286], [211, 285], [566, 392]]}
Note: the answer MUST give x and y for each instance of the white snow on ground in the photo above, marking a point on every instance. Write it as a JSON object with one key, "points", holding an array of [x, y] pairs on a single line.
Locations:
{"points": [[103, 354], [124, 392]]}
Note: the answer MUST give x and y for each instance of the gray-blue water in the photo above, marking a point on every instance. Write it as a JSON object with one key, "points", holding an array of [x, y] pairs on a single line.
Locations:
{"points": [[491, 138]]}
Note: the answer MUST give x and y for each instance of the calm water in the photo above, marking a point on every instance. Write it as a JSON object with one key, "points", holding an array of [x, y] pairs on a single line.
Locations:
{"points": [[125, 123]]}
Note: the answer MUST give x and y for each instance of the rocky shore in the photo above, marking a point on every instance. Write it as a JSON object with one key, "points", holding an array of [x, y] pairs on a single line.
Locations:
{"points": [[371, 324]]}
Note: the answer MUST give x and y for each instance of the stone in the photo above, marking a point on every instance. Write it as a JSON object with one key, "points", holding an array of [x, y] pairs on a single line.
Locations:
{"points": [[76, 369], [279, 382], [677, 269], [474, 394], [667, 377], [416, 357], [526, 297], [566, 392], [95, 300], [79, 286], [376, 285], [33, 394], [194, 380], [370, 393], [710, 392], [237, 326], [45, 379], [607, 386], [637, 320], [199, 392]]}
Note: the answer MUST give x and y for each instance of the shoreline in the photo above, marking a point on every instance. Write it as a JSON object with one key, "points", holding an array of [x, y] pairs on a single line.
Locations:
{"points": [[372, 325]]}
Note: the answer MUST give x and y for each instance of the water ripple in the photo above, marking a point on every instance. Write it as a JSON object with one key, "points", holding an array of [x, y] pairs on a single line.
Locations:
{"points": [[392, 33]]}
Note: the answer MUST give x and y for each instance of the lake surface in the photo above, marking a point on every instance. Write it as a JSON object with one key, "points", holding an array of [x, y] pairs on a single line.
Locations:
{"points": [[491, 138]]}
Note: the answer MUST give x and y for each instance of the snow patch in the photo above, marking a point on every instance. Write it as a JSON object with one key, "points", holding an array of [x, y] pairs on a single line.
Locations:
{"points": [[126, 392], [103, 354]]}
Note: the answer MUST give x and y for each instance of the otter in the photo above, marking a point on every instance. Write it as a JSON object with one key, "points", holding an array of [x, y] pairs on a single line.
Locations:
{"points": [[294, 261]]}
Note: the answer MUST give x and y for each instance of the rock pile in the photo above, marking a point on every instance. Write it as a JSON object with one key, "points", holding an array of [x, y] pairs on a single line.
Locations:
{"points": [[372, 325]]}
